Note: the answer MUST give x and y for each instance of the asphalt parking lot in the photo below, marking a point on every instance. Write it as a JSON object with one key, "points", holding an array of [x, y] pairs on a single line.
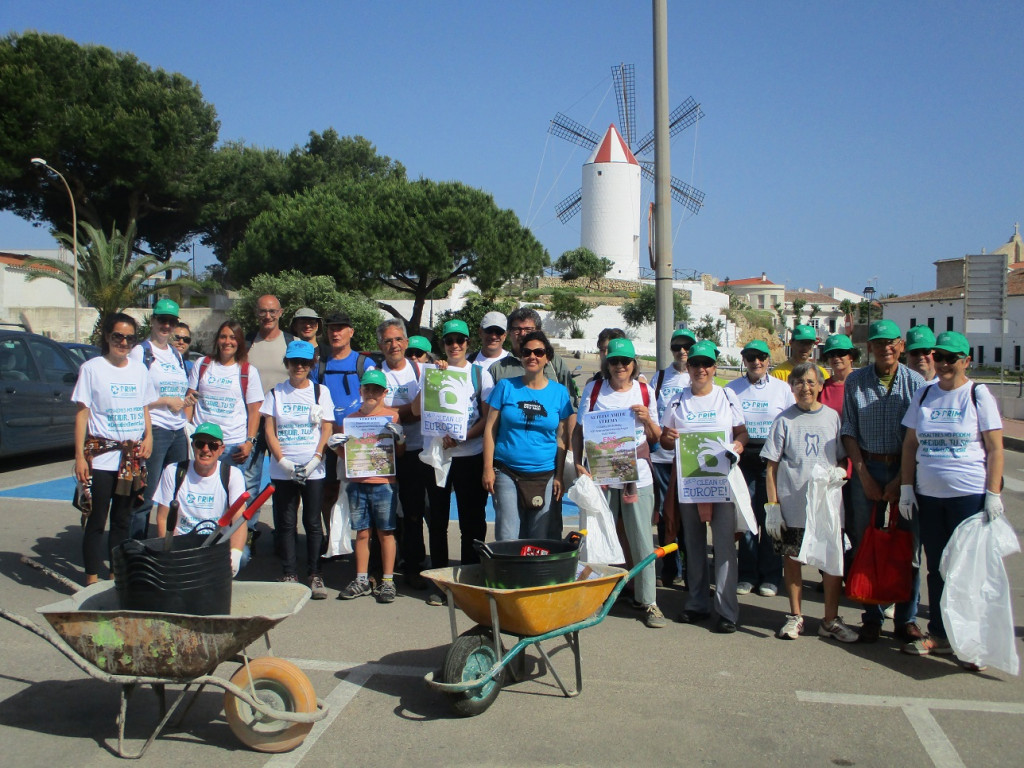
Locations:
{"points": [[675, 696]]}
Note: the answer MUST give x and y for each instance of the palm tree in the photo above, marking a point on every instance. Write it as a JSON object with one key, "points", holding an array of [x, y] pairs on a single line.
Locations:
{"points": [[111, 276]]}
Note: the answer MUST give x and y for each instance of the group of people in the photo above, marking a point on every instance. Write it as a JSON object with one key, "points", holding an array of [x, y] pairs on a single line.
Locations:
{"points": [[920, 437]]}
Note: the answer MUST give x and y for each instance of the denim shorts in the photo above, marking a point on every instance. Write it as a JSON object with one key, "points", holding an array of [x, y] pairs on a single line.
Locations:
{"points": [[372, 503]]}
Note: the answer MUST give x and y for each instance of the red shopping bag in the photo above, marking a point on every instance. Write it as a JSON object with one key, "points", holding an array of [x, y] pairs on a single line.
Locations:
{"points": [[882, 570]]}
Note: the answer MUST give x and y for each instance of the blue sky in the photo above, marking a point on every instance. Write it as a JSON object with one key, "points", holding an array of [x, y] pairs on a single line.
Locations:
{"points": [[842, 142]]}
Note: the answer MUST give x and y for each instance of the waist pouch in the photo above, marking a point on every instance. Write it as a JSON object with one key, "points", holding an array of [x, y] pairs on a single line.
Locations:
{"points": [[530, 486]]}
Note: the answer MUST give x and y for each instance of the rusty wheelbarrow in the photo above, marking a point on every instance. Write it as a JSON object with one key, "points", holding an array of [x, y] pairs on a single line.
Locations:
{"points": [[269, 703]]}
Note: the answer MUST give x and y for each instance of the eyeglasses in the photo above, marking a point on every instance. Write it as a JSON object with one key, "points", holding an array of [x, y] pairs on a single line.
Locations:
{"points": [[414, 353], [700, 362], [450, 341], [267, 312], [120, 338], [759, 357], [518, 330], [949, 358], [186, 339], [299, 361], [920, 352], [803, 383], [534, 352], [884, 342], [207, 444], [617, 361]]}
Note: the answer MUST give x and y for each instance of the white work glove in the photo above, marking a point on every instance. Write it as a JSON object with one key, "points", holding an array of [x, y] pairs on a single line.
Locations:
{"points": [[236, 562], [773, 521], [316, 414], [396, 430], [287, 466], [993, 506], [908, 500], [310, 466], [836, 475], [337, 440]]}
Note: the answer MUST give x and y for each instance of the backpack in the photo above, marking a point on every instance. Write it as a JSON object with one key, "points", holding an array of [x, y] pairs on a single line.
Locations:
{"points": [[243, 375], [974, 399], [645, 393], [148, 357], [657, 387], [251, 338], [316, 392], [321, 372], [181, 469]]}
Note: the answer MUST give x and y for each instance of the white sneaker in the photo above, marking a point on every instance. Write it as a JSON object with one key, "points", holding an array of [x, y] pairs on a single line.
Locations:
{"points": [[767, 590], [744, 588], [890, 612], [793, 628], [838, 630]]}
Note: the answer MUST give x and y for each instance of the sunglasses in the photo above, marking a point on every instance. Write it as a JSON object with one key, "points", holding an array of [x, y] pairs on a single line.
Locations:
{"points": [[760, 357], [495, 331], [414, 353], [838, 353], [304, 362], [165, 318], [535, 352], [209, 445], [946, 357], [681, 347], [920, 352], [700, 362], [620, 361], [120, 338], [452, 340], [186, 339]]}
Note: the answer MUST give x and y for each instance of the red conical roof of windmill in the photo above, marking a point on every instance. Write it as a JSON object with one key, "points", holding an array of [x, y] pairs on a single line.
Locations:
{"points": [[612, 149]]}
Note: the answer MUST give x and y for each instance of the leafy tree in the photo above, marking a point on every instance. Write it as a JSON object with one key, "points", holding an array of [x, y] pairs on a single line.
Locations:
{"points": [[815, 311], [131, 141], [846, 307], [710, 328], [798, 309], [111, 276], [643, 310], [295, 289], [570, 308], [412, 237], [328, 158], [584, 263], [477, 305]]}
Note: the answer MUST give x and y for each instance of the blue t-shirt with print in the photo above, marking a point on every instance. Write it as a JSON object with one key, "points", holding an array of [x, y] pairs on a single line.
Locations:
{"points": [[342, 380], [527, 431]]}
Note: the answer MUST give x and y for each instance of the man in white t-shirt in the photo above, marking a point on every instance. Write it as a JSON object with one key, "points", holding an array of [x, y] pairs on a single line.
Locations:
{"points": [[762, 398], [202, 498], [492, 340], [167, 412]]}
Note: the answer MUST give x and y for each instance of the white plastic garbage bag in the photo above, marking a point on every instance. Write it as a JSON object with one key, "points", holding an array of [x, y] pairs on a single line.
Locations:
{"points": [[745, 520], [341, 527], [823, 531], [434, 455], [975, 603], [601, 544]]}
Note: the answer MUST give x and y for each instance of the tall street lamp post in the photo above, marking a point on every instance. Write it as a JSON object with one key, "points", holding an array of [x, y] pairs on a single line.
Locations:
{"points": [[74, 232]]}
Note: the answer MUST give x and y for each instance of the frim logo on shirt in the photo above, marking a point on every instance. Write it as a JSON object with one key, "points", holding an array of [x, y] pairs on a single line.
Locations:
{"points": [[123, 390], [204, 500], [219, 381], [755, 405], [702, 416], [292, 409], [946, 415]]}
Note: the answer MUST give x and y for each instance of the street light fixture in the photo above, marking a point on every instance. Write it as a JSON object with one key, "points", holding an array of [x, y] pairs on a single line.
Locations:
{"points": [[74, 232]]}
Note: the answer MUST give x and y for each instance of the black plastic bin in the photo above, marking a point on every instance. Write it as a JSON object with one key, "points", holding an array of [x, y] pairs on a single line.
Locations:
{"points": [[188, 579], [505, 566]]}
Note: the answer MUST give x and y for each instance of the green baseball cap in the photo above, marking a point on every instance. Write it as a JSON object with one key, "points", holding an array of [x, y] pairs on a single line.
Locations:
{"points": [[621, 348], [920, 337], [805, 333], [884, 329], [455, 326], [166, 307], [705, 349], [837, 341], [684, 333], [951, 341], [756, 346], [210, 430], [375, 377], [421, 343]]}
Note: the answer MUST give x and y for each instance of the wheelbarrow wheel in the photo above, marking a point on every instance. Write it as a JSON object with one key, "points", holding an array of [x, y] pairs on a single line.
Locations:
{"points": [[278, 685], [470, 658]]}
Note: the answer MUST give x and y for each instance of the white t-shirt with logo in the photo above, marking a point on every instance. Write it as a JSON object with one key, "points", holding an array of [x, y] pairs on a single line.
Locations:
{"points": [[950, 447], [476, 445], [220, 398], [169, 380], [717, 411], [610, 400], [404, 387], [487, 362], [116, 398], [298, 436], [672, 384], [201, 500], [761, 402]]}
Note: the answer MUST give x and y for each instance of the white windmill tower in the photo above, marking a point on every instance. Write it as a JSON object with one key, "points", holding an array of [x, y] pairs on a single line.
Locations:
{"points": [[609, 200]]}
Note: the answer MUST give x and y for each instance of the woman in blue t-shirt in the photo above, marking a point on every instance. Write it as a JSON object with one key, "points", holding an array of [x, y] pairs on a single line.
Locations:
{"points": [[525, 440]]}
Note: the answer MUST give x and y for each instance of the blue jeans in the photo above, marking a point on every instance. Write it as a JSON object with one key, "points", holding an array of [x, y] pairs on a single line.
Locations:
{"points": [[758, 563], [862, 506], [939, 518], [509, 522], [252, 470], [169, 447], [372, 504]]}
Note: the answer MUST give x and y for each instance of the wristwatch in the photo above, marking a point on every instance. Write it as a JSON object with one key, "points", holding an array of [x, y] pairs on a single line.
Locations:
{"points": [[251, 441]]}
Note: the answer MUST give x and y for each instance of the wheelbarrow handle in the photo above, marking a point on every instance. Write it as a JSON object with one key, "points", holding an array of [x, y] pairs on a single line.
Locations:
{"points": [[668, 549]]}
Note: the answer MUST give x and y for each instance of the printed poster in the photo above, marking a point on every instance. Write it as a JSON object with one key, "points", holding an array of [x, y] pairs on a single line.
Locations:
{"points": [[704, 466], [444, 402], [370, 451], [609, 441]]}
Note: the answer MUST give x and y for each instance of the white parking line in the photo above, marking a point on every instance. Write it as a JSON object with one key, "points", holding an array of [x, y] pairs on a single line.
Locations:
{"points": [[344, 692], [918, 713]]}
